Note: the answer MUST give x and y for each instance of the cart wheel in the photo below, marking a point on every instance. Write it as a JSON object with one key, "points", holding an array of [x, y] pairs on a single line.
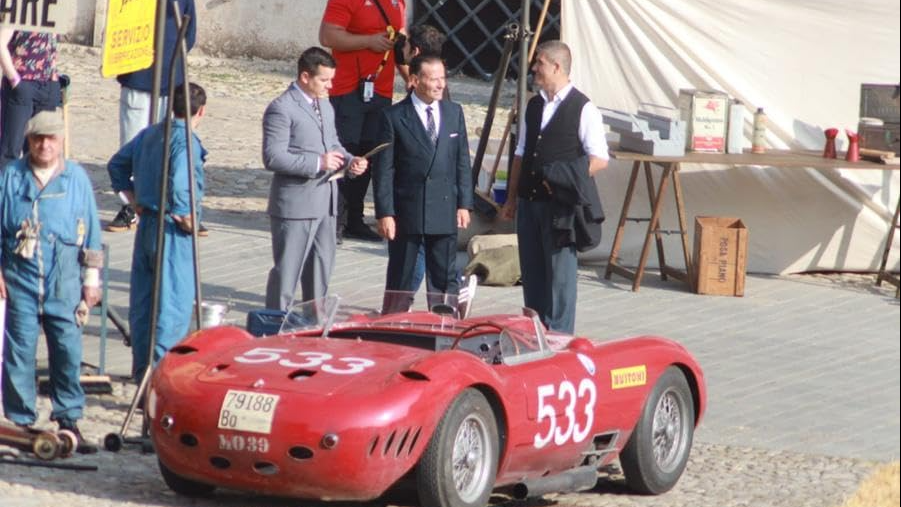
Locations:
{"points": [[147, 446], [69, 443], [47, 446], [113, 442]]}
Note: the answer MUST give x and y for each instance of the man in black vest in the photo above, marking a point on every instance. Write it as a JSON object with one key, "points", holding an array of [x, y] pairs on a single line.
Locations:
{"points": [[562, 126]]}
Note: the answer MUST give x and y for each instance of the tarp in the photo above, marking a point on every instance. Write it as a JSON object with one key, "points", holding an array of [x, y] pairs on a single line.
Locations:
{"points": [[803, 61]]}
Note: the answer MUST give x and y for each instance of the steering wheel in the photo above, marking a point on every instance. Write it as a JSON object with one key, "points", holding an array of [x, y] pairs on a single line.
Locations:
{"points": [[472, 327]]}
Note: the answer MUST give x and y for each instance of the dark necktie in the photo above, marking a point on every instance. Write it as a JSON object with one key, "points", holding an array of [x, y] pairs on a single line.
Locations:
{"points": [[318, 111], [430, 127]]}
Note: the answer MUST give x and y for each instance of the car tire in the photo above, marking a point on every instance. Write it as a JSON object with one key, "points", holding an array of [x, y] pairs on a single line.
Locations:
{"points": [[459, 466], [184, 486], [657, 452]]}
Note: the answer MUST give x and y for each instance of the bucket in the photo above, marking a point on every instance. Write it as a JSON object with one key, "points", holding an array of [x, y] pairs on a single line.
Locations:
{"points": [[212, 314], [500, 192]]}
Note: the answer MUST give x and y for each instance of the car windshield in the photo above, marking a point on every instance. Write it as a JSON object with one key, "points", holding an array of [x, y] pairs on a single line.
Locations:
{"points": [[322, 314], [435, 318]]}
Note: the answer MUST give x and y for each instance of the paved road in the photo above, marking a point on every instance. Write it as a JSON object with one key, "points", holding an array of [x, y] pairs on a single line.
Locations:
{"points": [[802, 363]]}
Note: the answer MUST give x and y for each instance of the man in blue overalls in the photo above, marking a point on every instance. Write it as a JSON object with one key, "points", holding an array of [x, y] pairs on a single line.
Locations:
{"points": [[142, 158], [51, 258]]}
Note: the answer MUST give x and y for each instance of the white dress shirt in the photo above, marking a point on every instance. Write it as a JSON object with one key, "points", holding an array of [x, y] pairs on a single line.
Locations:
{"points": [[591, 125], [420, 106]]}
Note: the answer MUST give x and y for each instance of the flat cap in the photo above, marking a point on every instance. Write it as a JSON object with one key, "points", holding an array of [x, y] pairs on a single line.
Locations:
{"points": [[46, 123]]}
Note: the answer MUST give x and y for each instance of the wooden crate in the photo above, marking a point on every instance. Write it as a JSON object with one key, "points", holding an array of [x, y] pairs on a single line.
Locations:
{"points": [[720, 256]]}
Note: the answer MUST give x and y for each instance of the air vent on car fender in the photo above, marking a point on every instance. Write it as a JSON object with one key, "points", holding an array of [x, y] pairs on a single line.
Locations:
{"points": [[413, 375], [414, 440], [300, 452], [188, 440], [301, 374], [388, 442], [220, 462], [399, 443], [265, 468]]}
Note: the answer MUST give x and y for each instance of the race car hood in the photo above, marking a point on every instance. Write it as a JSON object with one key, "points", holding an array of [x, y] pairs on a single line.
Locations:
{"points": [[309, 365]]}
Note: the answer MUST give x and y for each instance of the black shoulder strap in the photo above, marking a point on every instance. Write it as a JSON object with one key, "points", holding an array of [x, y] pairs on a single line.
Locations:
{"points": [[382, 11]]}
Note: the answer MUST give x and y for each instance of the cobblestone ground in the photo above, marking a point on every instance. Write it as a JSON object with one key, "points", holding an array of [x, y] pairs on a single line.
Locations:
{"points": [[716, 476]]}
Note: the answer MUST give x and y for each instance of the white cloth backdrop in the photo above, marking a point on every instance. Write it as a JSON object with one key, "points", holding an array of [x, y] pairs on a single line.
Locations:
{"points": [[801, 60]]}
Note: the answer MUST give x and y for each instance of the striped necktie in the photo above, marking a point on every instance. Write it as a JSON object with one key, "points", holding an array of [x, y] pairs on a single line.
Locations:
{"points": [[430, 127], [318, 111]]}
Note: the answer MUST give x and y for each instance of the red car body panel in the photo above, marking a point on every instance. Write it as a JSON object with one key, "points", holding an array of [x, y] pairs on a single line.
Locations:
{"points": [[384, 400]]}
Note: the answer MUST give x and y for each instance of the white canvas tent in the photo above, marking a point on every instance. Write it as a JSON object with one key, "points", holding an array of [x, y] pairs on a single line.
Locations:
{"points": [[803, 61]]}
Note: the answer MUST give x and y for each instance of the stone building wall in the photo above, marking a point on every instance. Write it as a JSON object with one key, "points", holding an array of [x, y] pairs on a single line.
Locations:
{"points": [[259, 28]]}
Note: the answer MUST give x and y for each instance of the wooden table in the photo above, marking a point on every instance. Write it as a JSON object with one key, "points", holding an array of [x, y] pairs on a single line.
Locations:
{"points": [[671, 167]]}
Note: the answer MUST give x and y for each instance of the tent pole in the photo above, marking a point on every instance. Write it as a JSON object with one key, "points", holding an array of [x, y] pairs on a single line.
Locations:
{"points": [[158, 57], [523, 61]]}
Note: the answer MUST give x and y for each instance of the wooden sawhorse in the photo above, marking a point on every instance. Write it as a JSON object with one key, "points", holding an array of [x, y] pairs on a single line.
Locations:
{"points": [[884, 275], [670, 171]]}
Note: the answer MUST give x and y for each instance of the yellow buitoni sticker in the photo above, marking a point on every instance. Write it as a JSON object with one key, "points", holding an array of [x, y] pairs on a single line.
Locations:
{"points": [[628, 377]]}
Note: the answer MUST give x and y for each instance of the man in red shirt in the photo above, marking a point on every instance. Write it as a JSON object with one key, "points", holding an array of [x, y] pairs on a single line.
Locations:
{"points": [[360, 34]]}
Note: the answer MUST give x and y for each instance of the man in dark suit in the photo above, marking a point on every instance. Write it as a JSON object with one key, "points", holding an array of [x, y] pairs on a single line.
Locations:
{"points": [[301, 147], [422, 183]]}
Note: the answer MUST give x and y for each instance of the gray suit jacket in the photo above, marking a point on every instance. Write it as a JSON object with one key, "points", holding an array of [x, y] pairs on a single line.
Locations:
{"points": [[292, 144]]}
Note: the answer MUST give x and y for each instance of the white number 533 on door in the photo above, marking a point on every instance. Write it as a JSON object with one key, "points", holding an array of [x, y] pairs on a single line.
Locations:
{"points": [[578, 412]]}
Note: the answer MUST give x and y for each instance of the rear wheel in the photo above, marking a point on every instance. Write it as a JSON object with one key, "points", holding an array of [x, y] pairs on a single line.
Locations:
{"points": [[658, 449], [184, 486], [459, 466]]}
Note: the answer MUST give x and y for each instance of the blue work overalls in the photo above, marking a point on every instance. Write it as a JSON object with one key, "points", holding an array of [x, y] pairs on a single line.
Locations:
{"points": [[141, 159], [44, 291]]}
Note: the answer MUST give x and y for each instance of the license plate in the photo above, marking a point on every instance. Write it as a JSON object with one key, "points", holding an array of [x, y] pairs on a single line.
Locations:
{"points": [[247, 411]]}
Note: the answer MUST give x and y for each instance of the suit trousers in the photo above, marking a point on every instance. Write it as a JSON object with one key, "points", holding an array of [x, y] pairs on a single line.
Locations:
{"points": [[549, 273], [303, 251], [357, 123], [440, 267]]}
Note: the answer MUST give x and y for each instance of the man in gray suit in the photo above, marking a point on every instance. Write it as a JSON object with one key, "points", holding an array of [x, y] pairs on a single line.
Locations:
{"points": [[300, 145]]}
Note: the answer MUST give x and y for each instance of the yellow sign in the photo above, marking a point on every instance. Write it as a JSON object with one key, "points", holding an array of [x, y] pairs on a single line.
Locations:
{"points": [[128, 41], [632, 376], [54, 16]]}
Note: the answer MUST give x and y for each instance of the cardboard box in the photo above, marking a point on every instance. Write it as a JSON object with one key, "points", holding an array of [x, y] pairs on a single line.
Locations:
{"points": [[707, 116], [720, 256]]}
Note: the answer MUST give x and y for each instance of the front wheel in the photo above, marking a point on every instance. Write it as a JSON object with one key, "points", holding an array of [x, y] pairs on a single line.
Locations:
{"points": [[459, 466], [658, 449], [184, 486]]}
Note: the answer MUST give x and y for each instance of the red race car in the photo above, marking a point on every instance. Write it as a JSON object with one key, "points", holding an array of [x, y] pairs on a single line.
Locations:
{"points": [[341, 404]]}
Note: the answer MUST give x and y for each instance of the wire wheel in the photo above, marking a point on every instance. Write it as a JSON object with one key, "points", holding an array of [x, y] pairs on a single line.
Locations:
{"points": [[459, 465], [667, 431], [658, 450], [472, 451]]}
